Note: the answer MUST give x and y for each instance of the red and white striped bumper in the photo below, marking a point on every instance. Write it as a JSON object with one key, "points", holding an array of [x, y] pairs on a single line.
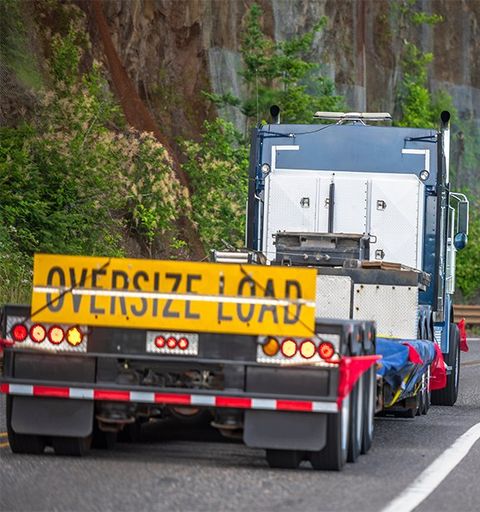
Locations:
{"points": [[151, 397]]}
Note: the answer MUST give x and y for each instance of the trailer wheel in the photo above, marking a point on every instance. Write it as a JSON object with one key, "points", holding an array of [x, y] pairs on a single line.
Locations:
{"points": [[448, 395], [427, 394], [73, 446], [131, 432], [284, 459], [334, 455], [103, 440], [22, 443], [369, 422], [356, 422]]}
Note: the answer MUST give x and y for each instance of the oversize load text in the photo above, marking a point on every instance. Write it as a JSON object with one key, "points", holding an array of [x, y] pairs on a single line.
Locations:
{"points": [[201, 296]]}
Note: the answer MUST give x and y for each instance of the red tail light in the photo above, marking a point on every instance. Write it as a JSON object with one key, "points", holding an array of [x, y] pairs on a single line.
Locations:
{"points": [[171, 342], [160, 342], [56, 335], [183, 343], [19, 332], [289, 347], [326, 350], [38, 333]]}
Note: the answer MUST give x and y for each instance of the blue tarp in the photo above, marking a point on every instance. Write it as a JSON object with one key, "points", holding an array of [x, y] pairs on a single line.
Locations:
{"points": [[395, 362]]}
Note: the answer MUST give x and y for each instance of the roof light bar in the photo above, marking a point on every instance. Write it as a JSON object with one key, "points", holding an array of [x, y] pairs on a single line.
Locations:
{"points": [[353, 116]]}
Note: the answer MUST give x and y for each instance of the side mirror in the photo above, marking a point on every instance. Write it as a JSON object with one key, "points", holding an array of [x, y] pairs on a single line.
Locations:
{"points": [[460, 241], [462, 224]]}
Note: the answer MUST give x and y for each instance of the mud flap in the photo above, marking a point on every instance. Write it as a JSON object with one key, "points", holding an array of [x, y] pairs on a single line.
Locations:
{"points": [[52, 416], [285, 430]]}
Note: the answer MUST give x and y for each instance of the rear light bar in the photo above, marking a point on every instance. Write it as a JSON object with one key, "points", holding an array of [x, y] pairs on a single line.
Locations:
{"points": [[172, 343], [36, 335], [319, 349]]}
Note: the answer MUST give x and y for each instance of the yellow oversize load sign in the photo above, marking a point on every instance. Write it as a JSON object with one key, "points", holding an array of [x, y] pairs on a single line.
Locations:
{"points": [[174, 295]]}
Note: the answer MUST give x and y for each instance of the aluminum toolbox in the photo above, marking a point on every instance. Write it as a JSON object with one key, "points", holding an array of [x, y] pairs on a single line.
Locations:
{"points": [[320, 249]]}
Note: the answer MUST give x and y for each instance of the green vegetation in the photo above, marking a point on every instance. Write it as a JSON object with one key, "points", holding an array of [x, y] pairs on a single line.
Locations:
{"points": [[15, 48], [468, 259], [273, 73], [71, 184], [217, 167], [280, 74], [418, 106]]}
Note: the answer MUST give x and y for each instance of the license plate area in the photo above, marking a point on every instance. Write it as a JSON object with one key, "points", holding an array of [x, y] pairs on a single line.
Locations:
{"points": [[172, 343]]}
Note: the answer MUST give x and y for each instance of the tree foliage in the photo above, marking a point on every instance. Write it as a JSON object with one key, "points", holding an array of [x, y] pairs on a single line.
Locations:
{"points": [[281, 74], [70, 183], [217, 167], [273, 73], [418, 106]]}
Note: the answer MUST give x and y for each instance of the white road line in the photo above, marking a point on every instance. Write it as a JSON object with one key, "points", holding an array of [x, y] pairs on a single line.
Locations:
{"points": [[434, 475]]}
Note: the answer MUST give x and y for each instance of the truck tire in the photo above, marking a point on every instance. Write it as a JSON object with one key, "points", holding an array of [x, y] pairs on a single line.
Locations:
{"points": [[448, 395], [356, 422], [103, 440], [370, 384], [131, 432], [22, 443], [284, 459], [73, 446], [427, 394], [334, 456]]}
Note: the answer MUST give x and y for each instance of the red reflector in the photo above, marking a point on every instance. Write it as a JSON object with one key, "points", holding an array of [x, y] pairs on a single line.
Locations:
{"points": [[225, 401], [294, 405], [171, 342], [119, 396], [56, 335], [19, 332], [172, 398], [49, 391], [183, 343], [160, 341], [4, 388], [326, 350], [38, 333]]}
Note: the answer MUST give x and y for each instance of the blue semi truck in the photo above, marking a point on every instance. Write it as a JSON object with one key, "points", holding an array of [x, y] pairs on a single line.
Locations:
{"points": [[338, 308], [389, 188]]}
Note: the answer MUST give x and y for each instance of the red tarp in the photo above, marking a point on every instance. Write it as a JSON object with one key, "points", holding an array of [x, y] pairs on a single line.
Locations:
{"points": [[413, 355]]}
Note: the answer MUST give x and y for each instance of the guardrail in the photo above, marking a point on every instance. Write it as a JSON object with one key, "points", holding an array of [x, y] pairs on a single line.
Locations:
{"points": [[471, 313]]}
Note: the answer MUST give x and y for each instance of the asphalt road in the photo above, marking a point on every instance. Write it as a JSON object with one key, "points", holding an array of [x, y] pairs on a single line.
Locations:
{"points": [[173, 469]]}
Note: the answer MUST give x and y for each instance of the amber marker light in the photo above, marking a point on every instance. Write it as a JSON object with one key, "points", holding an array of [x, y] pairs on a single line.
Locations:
{"points": [[308, 349], [74, 336], [271, 346], [289, 347]]}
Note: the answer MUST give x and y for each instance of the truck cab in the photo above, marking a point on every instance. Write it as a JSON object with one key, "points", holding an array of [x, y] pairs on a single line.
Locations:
{"points": [[390, 185]]}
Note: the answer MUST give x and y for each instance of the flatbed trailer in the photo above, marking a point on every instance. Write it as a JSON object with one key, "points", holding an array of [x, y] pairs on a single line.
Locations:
{"points": [[309, 397]]}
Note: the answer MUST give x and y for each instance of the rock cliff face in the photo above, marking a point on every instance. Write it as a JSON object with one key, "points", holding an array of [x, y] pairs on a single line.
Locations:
{"points": [[174, 49]]}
